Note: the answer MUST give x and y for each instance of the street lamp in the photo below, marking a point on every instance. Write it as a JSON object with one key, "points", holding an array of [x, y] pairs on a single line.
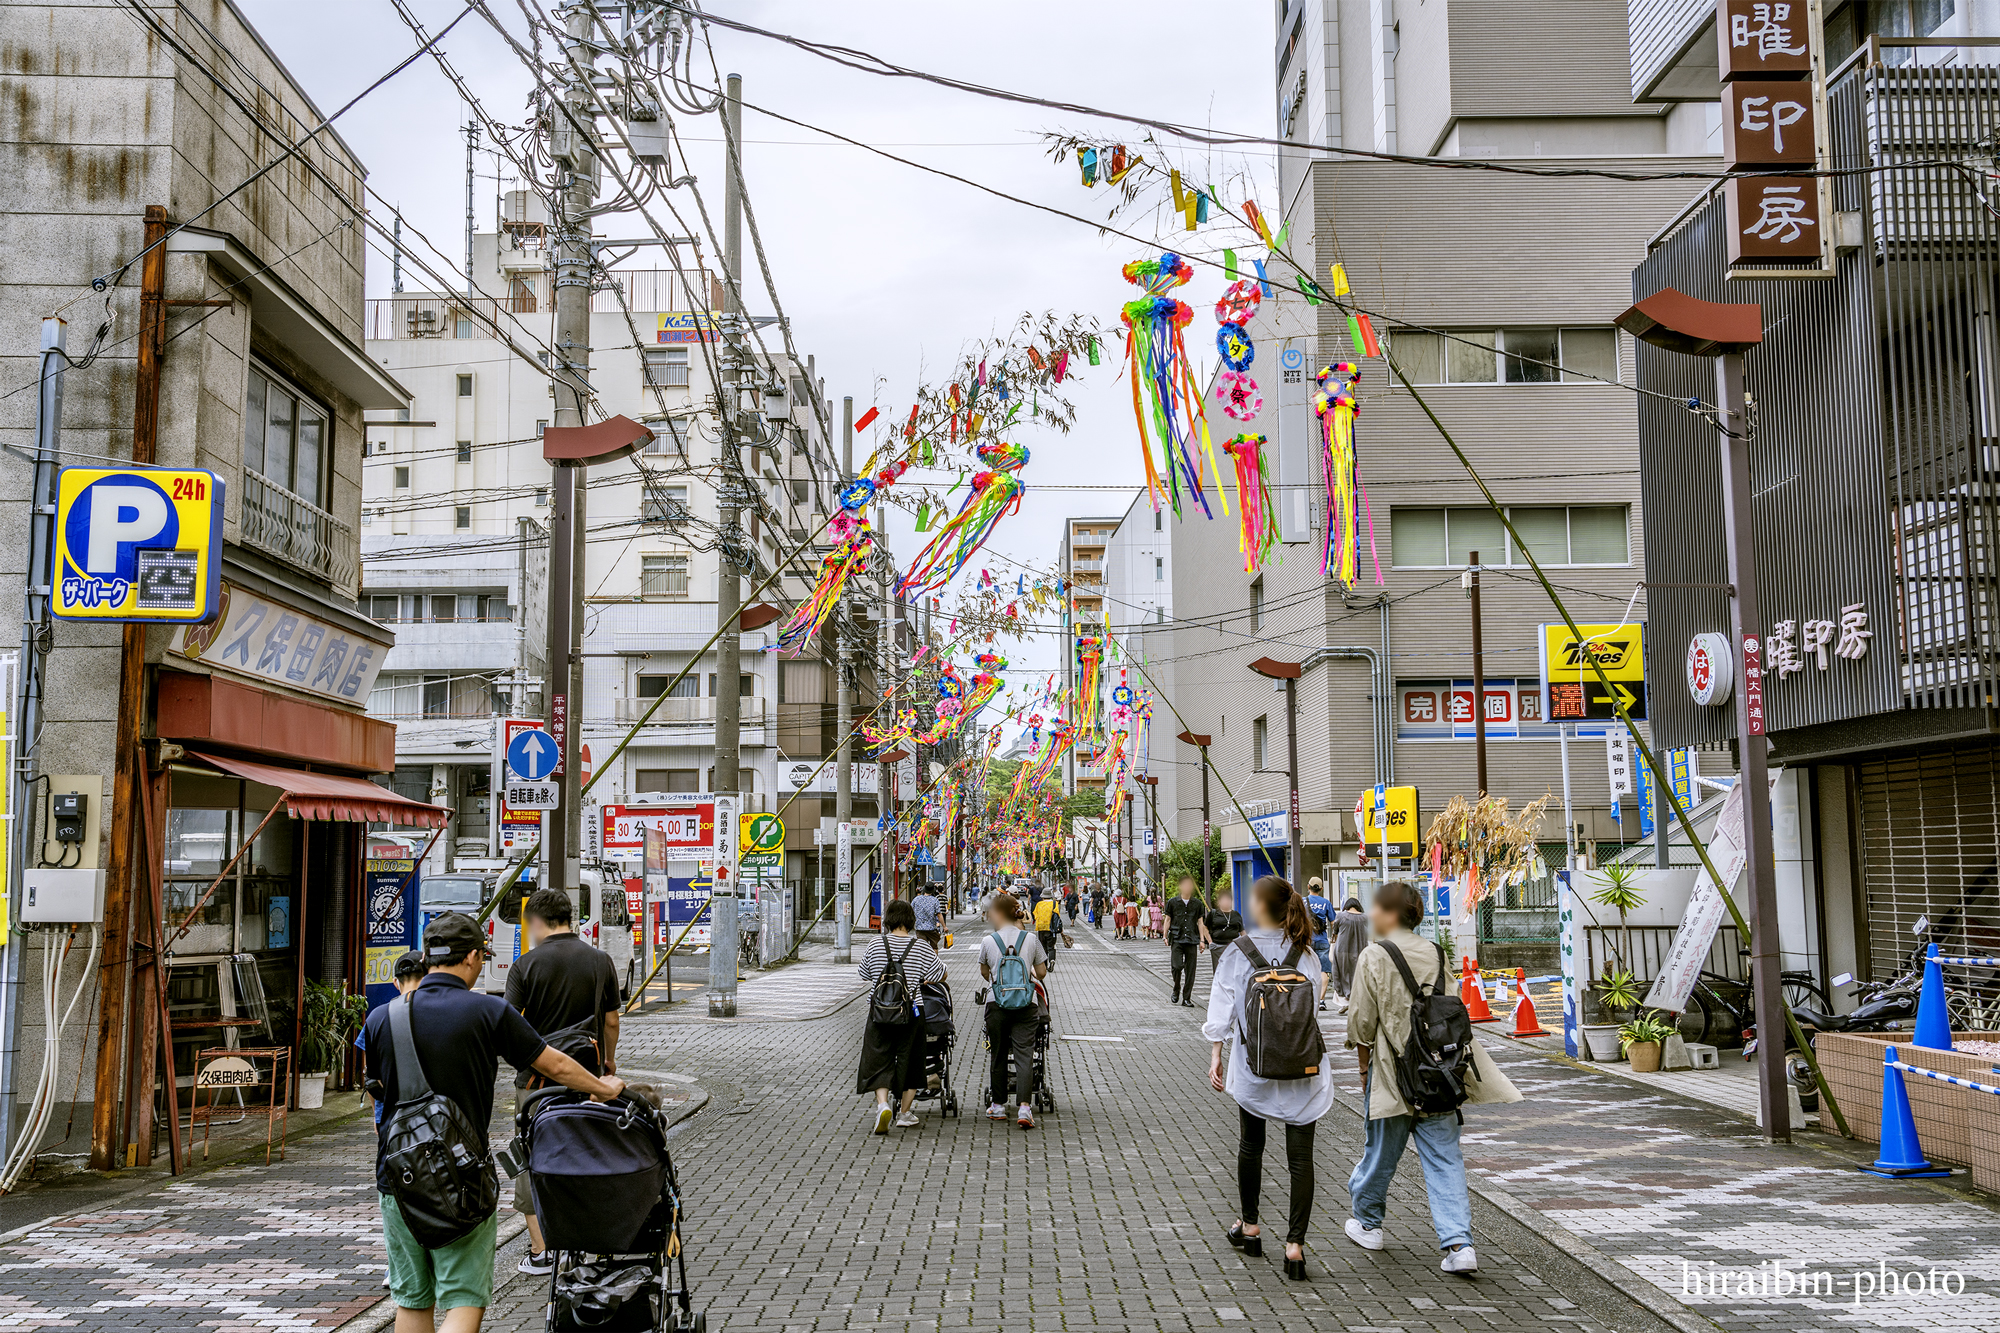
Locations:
{"points": [[1152, 785], [1676, 322], [1200, 742], [1288, 672]]}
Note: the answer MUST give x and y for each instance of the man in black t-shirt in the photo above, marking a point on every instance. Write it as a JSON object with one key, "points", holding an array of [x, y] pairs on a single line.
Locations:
{"points": [[460, 1036], [560, 982], [1220, 926], [1183, 938]]}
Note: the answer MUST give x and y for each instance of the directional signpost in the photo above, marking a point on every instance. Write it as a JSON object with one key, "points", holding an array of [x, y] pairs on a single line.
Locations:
{"points": [[531, 766]]}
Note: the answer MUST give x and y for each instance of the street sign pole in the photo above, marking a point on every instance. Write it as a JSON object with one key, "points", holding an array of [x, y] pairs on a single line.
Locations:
{"points": [[723, 927]]}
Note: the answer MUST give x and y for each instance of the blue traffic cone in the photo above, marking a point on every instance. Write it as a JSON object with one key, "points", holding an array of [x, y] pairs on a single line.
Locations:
{"points": [[1933, 1023], [1901, 1154]]}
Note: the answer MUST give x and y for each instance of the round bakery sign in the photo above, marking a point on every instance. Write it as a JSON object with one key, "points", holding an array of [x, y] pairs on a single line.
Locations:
{"points": [[1709, 674]]}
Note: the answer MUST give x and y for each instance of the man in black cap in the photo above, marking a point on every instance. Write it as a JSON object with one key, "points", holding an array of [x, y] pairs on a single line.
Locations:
{"points": [[460, 1036]]}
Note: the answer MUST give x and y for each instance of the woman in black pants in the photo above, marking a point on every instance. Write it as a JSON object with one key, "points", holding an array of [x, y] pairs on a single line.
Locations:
{"points": [[1280, 932]]}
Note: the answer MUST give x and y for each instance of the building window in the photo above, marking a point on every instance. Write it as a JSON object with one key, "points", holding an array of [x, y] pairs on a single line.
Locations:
{"points": [[745, 685], [437, 696], [667, 779], [286, 437], [1259, 732], [465, 451], [444, 608], [666, 367], [664, 504], [541, 429], [668, 438], [402, 478], [687, 687], [1439, 538], [1159, 569], [1257, 604], [663, 577], [494, 610], [461, 327], [465, 386], [462, 518], [1507, 356], [801, 683], [384, 609], [541, 497]]}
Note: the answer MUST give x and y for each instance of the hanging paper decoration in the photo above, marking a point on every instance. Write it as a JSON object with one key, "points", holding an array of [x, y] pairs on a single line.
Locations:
{"points": [[994, 495], [1258, 532], [1163, 386], [1336, 406], [866, 419], [1089, 658], [853, 539], [1241, 399]]}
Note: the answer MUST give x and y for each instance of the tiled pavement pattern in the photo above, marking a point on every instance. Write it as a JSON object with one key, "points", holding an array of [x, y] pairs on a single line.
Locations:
{"points": [[1651, 1180], [1109, 1216]]}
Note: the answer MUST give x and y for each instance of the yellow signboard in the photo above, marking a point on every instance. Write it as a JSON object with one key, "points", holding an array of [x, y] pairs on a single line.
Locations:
{"points": [[1402, 822], [137, 545], [1571, 689], [760, 833]]}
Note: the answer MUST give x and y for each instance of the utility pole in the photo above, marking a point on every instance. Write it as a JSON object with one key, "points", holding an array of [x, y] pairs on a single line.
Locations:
{"points": [[843, 779], [574, 264], [471, 146], [1200, 742], [723, 924], [1478, 673]]}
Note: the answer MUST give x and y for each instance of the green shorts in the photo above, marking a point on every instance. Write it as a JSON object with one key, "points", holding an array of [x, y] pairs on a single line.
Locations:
{"points": [[459, 1274]]}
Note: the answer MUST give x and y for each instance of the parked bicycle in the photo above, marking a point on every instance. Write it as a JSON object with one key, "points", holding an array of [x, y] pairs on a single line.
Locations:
{"points": [[1720, 1009]]}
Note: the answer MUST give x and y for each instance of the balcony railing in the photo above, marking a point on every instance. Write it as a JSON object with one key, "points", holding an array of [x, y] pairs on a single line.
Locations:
{"points": [[295, 529], [1095, 566], [673, 711]]}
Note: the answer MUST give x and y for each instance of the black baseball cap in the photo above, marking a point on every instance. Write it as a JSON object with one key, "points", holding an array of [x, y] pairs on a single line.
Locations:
{"points": [[449, 934], [410, 964]]}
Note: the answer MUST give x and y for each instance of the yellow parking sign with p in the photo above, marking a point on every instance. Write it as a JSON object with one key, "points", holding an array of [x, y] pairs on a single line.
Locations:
{"points": [[760, 833], [138, 545]]}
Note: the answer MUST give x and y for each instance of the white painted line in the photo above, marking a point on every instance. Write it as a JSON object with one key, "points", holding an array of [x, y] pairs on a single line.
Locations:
{"points": [[1119, 1040]]}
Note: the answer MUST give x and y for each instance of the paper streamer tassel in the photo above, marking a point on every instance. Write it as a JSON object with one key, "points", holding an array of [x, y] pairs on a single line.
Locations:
{"points": [[866, 417], [1339, 276]]}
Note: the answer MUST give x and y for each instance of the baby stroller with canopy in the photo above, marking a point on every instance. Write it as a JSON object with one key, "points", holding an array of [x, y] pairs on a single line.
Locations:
{"points": [[610, 1211], [940, 1037]]}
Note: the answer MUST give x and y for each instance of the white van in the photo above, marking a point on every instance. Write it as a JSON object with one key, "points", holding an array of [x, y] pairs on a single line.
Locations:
{"points": [[603, 917]]}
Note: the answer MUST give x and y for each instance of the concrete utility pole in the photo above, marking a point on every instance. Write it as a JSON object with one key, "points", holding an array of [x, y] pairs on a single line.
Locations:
{"points": [[471, 147], [843, 778], [1478, 673], [723, 924], [574, 265]]}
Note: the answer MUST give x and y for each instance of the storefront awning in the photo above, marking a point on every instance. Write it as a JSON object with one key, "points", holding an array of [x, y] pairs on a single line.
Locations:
{"points": [[325, 796]]}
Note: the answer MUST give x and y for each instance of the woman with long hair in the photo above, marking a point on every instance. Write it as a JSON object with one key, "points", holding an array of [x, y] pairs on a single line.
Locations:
{"points": [[1279, 936]]}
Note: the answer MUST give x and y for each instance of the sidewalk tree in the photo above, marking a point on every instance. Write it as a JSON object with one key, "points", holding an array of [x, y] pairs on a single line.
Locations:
{"points": [[1184, 857]]}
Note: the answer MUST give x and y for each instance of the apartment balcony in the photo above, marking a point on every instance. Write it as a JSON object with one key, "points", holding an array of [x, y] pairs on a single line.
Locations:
{"points": [[686, 711], [294, 529], [1094, 565]]}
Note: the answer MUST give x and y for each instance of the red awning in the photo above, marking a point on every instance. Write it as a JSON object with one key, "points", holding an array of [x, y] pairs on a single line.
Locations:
{"points": [[325, 796]]}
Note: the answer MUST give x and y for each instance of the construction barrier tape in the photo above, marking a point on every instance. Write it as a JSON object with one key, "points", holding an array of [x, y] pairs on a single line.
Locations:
{"points": [[1943, 1077], [1969, 962]]}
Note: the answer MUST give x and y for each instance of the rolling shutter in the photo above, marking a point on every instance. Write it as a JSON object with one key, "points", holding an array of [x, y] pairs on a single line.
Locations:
{"points": [[1930, 848]]}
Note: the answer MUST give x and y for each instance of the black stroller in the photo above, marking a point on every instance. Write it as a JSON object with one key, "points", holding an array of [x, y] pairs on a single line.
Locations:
{"points": [[610, 1210], [940, 1037], [1044, 1030]]}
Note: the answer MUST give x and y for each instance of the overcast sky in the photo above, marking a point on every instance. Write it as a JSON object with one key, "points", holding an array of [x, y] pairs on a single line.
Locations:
{"points": [[885, 271]]}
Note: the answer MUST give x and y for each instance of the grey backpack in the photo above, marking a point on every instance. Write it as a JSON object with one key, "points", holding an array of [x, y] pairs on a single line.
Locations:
{"points": [[1280, 1019]]}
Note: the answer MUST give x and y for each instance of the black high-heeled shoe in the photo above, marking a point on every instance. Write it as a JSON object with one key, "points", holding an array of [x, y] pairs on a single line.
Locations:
{"points": [[1250, 1245], [1295, 1269]]}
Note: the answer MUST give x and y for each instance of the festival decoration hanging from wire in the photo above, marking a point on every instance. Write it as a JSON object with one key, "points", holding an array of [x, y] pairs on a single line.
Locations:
{"points": [[1163, 385], [1346, 502], [1257, 530]]}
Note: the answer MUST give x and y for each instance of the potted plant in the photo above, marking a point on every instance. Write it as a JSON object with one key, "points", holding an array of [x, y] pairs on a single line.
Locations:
{"points": [[1643, 1038], [1617, 887], [327, 1024], [1617, 994]]}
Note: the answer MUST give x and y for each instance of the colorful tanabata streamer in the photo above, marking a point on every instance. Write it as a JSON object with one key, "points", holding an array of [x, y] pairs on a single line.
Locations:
{"points": [[993, 496], [853, 539], [1258, 531], [1335, 403], [1163, 385], [1089, 658]]}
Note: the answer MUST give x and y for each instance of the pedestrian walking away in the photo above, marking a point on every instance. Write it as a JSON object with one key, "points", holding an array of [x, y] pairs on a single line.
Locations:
{"points": [[1156, 918], [896, 965], [1350, 937], [1320, 907], [1011, 959], [567, 989], [1220, 925], [1262, 1006], [1380, 1024], [1183, 914], [927, 909], [441, 1109], [1073, 904], [1048, 925]]}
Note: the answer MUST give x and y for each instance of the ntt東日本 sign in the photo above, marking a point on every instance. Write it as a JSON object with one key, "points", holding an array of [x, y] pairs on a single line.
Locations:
{"points": [[138, 545], [272, 641], [1574, 690], [1400, 820]]}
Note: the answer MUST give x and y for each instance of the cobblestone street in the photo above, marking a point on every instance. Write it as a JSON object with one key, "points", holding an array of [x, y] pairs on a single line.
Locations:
{"points": [[1109, 1215]]}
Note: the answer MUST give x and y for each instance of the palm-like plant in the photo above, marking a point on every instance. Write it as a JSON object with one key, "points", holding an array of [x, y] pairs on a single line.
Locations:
{"points": [[1617, 887]]}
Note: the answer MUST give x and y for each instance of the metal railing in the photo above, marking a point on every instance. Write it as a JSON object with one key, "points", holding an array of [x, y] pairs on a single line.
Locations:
{"points": [[296, 530], [671, 711]]}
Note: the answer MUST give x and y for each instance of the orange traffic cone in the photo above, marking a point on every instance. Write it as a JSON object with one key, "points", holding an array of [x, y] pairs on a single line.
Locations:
{"points": [[1527, 1023], [1474, 995]]}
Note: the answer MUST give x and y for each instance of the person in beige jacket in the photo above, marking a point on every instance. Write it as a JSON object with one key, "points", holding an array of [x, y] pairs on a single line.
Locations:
{"points": [[1378, 1026]]}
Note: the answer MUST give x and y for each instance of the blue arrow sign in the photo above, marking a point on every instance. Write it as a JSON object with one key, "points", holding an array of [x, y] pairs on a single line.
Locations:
{"points": [[531, 755]]}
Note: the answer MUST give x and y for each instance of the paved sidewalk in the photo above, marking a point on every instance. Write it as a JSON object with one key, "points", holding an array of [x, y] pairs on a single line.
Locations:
{"points": [[1691, 1200], [1108, 1216]]}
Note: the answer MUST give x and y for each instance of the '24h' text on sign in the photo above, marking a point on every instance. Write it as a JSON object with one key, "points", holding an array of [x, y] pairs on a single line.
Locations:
{"points": [[137, 545]]}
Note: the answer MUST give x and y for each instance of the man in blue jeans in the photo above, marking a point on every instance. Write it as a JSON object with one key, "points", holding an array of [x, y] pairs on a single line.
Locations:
{"points": [[1378, 1025]]}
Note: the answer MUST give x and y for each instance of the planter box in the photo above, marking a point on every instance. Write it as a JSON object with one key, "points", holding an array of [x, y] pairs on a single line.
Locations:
{"points": [[1954, 1125]]}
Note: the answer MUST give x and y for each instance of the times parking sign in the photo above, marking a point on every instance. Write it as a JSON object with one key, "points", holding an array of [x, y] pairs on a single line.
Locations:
{"points": [[137, 545]]}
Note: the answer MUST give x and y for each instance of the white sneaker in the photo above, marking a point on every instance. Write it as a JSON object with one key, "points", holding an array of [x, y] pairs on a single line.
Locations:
{"points": [[908, 1120], [1026, 1119], [1463, 1260], [883, 1115], [537, 1265], [1368, 1238], [997, 1111]]}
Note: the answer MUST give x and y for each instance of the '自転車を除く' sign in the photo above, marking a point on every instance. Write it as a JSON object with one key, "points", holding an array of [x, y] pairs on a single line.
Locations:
{"points": [[135, 545]]}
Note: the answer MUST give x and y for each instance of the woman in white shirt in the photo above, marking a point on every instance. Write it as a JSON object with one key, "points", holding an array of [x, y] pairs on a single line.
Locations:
{"points": [[1281, 930]]}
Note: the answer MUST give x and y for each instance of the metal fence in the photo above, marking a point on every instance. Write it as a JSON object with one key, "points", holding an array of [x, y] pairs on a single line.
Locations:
{"points": [[296, 530]]}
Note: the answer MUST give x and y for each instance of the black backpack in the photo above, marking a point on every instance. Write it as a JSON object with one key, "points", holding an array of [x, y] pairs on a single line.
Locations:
{"points": [[1435, 1064], [890, 1003], [439, 1166], [1280, 1021]]}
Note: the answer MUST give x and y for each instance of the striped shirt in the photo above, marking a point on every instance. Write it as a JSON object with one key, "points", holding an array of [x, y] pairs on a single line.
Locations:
{"points": [[921, 965]]}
